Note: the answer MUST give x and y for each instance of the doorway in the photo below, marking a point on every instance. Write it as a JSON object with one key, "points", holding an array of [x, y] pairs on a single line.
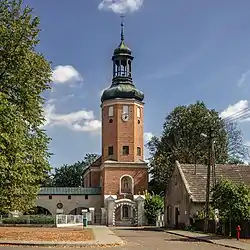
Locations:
{"points": [[177, 213]]}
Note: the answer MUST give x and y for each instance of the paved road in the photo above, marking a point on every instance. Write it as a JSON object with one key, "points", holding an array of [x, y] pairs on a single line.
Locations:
{"points": [[153, 240], [147, 240]]}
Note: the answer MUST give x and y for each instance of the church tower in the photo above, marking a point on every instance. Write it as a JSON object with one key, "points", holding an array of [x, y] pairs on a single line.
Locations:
{"points": [[123, 166]]}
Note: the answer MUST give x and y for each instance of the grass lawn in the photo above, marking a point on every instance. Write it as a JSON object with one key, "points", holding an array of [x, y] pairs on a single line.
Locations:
{"points": [[46, 234]]}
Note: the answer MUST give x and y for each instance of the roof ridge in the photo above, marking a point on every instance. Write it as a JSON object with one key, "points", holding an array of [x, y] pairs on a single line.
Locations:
{"points": [[184, 179]]}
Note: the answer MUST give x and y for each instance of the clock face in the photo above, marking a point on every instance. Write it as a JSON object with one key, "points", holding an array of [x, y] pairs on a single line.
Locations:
{"points": [[125, 117]]}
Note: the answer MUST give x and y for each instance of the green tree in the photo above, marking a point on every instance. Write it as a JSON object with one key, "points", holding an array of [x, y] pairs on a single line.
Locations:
{"points": [[24, 75], [154, 205], [71, 175], [48, 181], [90, 158], [181, 140], [232, 200]]}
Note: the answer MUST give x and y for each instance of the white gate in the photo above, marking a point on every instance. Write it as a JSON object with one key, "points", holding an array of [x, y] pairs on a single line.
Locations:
{"points": [[63, 220], [160, 222]]}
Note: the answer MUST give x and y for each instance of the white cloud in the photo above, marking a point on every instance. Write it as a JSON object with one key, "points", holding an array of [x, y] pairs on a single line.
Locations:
{"points": [[243, 78], [63, 99], [236, 110], [66, 74], [147, 137], [53, 100], [82, 120], [88, 126], [120, 6]]}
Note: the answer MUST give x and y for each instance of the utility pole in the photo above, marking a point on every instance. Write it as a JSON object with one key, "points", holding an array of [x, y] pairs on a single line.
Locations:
{"points": [[210, 147], [213, 162]]}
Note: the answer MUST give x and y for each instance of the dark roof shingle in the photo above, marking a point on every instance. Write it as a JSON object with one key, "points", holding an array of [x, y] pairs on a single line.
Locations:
{"points": [[69, 191], [197, 179]]}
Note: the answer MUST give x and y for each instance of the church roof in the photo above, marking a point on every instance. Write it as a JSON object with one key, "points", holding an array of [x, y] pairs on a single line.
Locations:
{"points": [[195, 177], [122, 49], [122, 91], [97, 162], [122, 83]]}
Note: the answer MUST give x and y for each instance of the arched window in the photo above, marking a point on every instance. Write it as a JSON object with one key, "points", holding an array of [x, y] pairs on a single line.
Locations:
{"points": [[125, 212], [126, 185]]}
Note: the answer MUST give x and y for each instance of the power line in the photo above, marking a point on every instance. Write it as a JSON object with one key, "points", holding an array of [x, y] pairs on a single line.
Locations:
{"points": [[244, 109], [240, 115]]}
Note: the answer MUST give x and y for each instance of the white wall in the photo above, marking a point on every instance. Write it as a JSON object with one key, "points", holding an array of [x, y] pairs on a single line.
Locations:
{"points": [[69, 205]]}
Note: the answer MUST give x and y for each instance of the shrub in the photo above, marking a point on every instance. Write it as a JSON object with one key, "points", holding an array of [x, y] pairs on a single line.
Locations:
{"points": [[30, 219], [153, 205], [232, 199]]}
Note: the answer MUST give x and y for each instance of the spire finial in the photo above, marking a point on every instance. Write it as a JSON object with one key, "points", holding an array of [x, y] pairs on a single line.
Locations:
{"points": [[122, 27]]}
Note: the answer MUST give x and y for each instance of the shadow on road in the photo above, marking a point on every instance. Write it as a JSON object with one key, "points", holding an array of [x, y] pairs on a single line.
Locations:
{"points": [[152, 229], [200, 238], [183, 239]]}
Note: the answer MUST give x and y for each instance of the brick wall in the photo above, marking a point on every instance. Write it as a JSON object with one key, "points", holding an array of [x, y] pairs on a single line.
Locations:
{"points": [[95, 179], [86, 180], [92, 178], [120, 133], [112, 177]]}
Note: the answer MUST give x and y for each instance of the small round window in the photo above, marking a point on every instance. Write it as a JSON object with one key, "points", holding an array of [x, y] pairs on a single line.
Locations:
{"points": [[59, 205]]}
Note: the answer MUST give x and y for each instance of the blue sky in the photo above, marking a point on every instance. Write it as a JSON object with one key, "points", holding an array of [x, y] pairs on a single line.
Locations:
{"points": [[184, 51]]}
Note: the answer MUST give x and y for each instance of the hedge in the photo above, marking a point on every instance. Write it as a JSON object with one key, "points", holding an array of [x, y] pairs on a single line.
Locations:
{"points": [[29, 219]]}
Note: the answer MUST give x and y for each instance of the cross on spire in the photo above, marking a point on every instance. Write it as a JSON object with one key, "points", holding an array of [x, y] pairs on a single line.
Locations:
{"points": [[122, 27]]}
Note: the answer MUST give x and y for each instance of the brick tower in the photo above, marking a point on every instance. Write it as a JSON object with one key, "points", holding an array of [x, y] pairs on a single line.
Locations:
{"points": [[123, 171]]}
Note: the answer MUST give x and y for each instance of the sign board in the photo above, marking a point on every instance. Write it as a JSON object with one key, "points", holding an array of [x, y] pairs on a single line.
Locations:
{"points": [[59, 211]]}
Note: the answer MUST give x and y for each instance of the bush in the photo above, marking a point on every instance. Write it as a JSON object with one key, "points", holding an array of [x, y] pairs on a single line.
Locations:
{"points": [[30, 219], [232, 199], [153, 205]]}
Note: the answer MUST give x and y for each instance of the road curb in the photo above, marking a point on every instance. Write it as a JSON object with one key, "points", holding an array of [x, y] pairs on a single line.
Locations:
{"points": [[60, 244], [204, 240]]}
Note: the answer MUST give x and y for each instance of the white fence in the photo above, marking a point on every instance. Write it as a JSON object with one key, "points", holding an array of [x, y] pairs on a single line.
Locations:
{"points": [[160, 222], [63, 220]]}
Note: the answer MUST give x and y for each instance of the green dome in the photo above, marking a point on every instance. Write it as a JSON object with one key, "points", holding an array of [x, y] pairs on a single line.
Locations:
{"points": [[122, 49], [122, 91]]}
